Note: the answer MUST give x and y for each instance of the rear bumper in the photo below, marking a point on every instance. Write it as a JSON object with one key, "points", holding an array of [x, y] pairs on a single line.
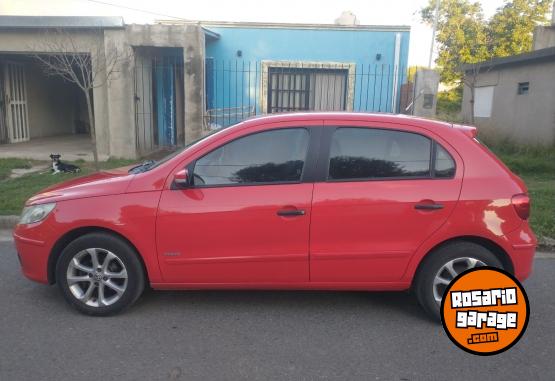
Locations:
{"points": [[522, 248]]}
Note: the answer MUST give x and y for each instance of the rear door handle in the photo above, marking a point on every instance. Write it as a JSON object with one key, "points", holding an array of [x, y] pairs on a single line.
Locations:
{"points": [[428, 206], [290, 212]]}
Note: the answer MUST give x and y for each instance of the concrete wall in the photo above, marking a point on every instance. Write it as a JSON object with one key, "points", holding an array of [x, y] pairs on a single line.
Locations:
{"points": [[526, 118], [37, 41], [544, 37], [303, 44], [426, 85], [114, 106], [188, 37]]}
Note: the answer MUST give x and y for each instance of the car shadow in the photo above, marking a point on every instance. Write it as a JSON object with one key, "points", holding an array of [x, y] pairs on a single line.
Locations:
{"points": [[390, 305], [400, 305]]}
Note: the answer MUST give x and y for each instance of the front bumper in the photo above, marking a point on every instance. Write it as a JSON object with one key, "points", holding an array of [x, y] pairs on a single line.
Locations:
{"points": [[33, 245]]}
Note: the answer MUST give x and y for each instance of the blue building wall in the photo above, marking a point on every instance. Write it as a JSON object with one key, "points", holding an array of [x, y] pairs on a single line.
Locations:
{"points": [[228, 87]]}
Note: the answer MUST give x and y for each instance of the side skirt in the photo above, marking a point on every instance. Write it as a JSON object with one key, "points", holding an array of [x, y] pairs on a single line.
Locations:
{"points": [[328, 286]]}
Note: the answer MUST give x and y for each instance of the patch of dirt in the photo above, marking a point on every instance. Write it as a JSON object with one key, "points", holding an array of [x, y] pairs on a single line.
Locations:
{"points": [[18, 172]]}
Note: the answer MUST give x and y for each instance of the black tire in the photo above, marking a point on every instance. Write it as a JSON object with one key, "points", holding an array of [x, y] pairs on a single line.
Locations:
{"points": [[134, 285], [424, 281]]}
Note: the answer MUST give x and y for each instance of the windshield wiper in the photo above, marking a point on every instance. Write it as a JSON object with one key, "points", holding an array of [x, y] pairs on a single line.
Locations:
{"points": [[144, 166]]}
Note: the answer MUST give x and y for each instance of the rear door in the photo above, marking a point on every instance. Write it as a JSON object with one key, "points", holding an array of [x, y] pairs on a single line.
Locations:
{"points": [[385, 189]]}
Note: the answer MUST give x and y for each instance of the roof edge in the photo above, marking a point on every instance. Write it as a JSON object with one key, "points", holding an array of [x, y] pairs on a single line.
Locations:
{"points": [[519, 59], [276, 25], [67, 22]]}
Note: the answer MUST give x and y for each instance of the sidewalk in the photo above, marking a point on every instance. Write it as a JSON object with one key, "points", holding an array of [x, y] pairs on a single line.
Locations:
{"points": [[5, 235]]}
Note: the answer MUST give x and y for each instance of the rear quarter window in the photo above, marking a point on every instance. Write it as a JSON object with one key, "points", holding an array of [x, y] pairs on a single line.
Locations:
{"points": [[444, 163]]}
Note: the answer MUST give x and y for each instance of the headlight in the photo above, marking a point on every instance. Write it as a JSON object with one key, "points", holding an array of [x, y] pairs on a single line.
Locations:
{"points": [[36, 213]]}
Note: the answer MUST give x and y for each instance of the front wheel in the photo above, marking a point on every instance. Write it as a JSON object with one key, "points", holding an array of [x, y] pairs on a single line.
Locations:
{"points": [[99, 274], [442, 266]]}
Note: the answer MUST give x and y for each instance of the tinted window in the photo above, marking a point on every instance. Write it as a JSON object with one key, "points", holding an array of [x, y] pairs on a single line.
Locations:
{"points": [[445, 165], [359, 153], [266, 157]]}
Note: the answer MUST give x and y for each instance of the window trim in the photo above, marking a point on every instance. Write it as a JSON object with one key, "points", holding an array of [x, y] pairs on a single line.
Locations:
{"points": [[307, 73], [323, 170], [308, 166], [523, 88], [264, 77]]}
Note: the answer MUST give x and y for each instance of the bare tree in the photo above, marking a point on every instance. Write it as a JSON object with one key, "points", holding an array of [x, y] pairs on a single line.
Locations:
{"points": [[88, 67]]}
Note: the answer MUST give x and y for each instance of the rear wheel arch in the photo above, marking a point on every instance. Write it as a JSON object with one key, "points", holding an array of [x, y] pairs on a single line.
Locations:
{"points": [[72, 235], [497, 250]]}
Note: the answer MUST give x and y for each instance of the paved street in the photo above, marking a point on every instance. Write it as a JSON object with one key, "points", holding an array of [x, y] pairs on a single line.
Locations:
{"points": [[254, 335]]}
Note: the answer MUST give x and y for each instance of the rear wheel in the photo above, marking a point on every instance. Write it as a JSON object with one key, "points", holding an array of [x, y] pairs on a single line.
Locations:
{"points": [[442, 266], [99, 274]]}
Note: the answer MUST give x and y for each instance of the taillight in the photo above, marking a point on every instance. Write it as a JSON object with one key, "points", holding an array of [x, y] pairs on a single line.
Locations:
{"points": [[521, 203]]}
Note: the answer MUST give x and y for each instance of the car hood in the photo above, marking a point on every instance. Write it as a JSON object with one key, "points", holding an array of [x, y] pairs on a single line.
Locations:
{"points": [[103, 183]]}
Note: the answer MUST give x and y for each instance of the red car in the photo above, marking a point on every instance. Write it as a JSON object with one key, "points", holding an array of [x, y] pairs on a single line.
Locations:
{"points": [[327, 201]]}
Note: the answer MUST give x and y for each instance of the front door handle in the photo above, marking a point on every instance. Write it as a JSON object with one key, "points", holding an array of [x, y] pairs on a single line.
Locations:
{"points": [[428, 206], [290, 212]]}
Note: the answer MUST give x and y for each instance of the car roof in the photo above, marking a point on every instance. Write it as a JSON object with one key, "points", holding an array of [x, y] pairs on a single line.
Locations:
{"points": [[330, 115]]}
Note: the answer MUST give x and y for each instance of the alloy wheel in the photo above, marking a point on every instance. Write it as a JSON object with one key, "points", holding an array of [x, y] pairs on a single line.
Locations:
{"points": [[449, 271], [96, 277]]}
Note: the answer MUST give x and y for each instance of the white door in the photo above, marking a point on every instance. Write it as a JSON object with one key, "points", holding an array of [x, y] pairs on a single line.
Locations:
{"points": [[144, 122], [17, 121]]}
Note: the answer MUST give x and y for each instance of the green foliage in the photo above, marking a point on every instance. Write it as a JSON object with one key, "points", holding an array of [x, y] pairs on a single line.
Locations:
{"points": [[511, 28], [6, 166], [449, 101], [411, 73], [465, 37], [461, 35], [529, 160], [536, 166], [14, 192]]}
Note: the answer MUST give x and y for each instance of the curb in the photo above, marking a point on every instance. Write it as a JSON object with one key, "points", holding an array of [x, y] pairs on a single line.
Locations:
{"points": [[544, 255], [8, 222]]}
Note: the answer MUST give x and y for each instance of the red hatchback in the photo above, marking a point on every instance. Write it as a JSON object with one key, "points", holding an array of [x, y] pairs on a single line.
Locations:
{"points": [[328, 201]]}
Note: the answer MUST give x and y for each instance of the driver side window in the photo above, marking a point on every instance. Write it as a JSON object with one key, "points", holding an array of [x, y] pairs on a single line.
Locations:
{"points": [[276, 156]]}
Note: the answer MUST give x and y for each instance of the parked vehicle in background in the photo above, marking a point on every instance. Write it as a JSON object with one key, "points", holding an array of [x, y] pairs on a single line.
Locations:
{"points": [[328, 201]]}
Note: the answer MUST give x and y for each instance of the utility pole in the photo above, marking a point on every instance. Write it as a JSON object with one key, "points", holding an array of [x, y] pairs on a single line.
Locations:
{"points": [[434, 29]]}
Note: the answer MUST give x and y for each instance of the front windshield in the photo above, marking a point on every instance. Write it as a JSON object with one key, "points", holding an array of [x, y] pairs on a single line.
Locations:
{"points": [[150, 164]]}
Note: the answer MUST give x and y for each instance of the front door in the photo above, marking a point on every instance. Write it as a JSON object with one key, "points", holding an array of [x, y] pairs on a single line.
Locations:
{"points": [[245, 219], [386, 190]]}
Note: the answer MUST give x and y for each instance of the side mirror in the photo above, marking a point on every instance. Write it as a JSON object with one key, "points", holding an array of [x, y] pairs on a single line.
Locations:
{"points": [[181, 178]]}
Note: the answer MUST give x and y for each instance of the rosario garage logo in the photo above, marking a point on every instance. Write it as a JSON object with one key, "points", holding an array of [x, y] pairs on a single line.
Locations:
{"points": [[485, 311]]}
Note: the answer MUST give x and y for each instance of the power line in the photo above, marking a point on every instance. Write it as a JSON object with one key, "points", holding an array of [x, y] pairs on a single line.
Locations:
{"points": [[136, 9]]}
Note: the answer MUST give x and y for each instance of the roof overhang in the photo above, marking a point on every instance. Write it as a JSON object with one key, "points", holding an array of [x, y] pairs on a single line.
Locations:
{"points": [[210, 35]]}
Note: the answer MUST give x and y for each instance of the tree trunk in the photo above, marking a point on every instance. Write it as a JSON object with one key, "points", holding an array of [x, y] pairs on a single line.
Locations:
{"points": [[93, 129]]}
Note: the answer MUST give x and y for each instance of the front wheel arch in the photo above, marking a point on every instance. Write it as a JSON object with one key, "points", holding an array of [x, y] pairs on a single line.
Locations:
{"points": [[72, 235]]}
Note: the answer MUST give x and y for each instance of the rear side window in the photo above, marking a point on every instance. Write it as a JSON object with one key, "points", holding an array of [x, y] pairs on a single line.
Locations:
{"points": [[444, 165], [364, 153], [275, 156]]}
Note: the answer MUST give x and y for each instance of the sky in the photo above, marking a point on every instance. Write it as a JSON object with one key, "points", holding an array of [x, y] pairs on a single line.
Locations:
{"points": [[370, 12]]}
